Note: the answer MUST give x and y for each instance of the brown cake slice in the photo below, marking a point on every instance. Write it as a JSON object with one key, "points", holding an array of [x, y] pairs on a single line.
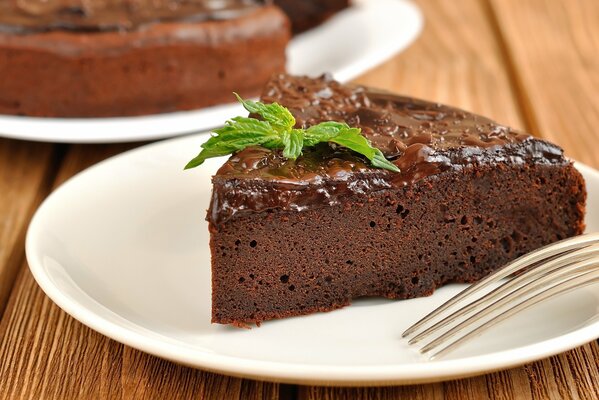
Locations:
{"points": [[295, 237], [74, 58]]}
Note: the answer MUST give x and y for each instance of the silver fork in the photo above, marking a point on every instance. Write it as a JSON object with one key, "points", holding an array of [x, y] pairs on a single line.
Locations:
{"points": [[544, 273]]}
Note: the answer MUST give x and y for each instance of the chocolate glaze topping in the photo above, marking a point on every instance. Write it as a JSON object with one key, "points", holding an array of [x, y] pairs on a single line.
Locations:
{"points": [[423, 139], [25, 16]]}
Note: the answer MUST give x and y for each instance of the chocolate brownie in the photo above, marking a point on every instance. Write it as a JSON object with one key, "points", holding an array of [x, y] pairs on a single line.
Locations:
{"points": [[121, 57], [295, 237], [306, 14]]}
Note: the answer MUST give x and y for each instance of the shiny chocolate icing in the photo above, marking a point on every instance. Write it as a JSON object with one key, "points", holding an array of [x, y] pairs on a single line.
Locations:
{"points": [[25, 16], [423, 139]]}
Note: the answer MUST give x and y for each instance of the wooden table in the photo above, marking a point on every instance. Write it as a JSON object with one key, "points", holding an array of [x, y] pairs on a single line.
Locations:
{"points": [[531, 64]]}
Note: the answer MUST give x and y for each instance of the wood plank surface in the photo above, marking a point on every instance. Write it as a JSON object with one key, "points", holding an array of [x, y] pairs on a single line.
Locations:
{"points": [[46, 354], [552, 49], [457, 60], [531, 64], [25, 168], [464, 59]]}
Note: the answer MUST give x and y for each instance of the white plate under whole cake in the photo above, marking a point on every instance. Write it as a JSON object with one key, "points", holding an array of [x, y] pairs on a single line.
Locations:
{"points": [[129, 258], [347, 45]]}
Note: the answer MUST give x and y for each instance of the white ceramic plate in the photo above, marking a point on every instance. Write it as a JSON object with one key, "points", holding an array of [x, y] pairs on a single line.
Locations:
{"points": [[347, 45], [123, 248]]}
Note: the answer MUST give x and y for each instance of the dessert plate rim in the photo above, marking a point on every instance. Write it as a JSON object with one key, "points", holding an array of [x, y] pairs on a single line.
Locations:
{"points": [[100, 318], [407, 27]]}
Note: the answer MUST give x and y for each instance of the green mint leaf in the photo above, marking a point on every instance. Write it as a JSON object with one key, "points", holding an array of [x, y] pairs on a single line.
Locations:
{"points": [[380, 161], [353, 140], [244, 126], [205, 154], [324, 132], [275, 131], [294, 142], [274, 113], [236, 135]]}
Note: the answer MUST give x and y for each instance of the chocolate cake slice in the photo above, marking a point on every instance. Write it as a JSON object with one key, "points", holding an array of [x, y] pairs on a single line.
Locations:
{"points": [[292, 237], [75, 58]]}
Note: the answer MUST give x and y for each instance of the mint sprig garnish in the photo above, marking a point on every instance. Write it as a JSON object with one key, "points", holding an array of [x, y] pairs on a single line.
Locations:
{"points": [[276, 131]]}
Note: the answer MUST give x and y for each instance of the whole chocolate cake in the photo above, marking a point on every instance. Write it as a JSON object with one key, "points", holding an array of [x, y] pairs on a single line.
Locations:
{"points": [[94, 58], [291, 237]]}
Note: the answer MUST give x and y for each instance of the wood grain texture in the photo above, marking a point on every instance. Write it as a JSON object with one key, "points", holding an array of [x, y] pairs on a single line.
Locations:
{"points": [[24, 169], [46, 354], [148, 377], [571, 375], [41, 347], [532, 65], [463, 59], [551, 48], [457, 60]]}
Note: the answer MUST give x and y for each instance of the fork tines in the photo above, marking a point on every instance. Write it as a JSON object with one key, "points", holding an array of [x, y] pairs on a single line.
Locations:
{"points": [[544, 273]]}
